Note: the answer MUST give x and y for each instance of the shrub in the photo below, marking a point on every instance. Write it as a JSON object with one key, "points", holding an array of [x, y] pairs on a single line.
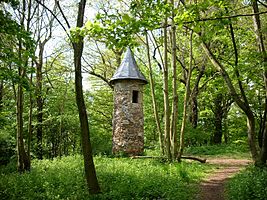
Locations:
{"points": [[7, 147], [249, 184]]}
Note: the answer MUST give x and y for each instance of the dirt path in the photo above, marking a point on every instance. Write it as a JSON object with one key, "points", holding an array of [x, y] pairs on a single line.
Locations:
{"points": [[212, 188]]}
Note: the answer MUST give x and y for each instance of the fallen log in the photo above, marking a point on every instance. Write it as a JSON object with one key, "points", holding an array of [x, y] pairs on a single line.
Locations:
{"points": [[195, 158], [159, 157]]}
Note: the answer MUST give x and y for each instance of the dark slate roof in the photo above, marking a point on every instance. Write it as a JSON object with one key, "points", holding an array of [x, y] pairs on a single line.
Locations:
{"points": [[128, 69]]}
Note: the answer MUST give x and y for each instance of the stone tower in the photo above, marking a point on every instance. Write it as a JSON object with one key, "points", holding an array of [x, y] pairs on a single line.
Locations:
{"points": [[128, 117]]}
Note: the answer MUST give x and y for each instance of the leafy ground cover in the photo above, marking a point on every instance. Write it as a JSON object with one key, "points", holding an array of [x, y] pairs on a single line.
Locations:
{"points": [[248, 184], [120, 178], [126, 178], [239, 149]]}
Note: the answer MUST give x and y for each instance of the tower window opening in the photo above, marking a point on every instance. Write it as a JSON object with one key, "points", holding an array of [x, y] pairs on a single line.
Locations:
{"points": [[135, 96]]}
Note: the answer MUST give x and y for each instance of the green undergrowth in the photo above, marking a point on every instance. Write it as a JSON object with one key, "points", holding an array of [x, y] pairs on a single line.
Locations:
{"points": [[248, 184], [119, 178], [234, 150]]}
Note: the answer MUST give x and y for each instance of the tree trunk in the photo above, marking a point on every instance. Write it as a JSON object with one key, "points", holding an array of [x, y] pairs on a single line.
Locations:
{"points": [[1, 94], [89, 167], [186, 101], [193, 118], [23, 161], [263, 155], [61, 138], [39, 97], [251, 136], [174, 114], [260, 41], [154, 103], [218, 119], [242, 104], [166, 95], [30, 124], [39, 101], [225, 122]]}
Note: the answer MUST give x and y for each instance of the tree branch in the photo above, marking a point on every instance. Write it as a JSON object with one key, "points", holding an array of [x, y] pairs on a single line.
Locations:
{"points": [[63, 27], [62, 13], [224, 17]]}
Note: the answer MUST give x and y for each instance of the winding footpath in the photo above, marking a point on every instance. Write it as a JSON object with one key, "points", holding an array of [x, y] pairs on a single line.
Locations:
{"points": [[212, 188]]}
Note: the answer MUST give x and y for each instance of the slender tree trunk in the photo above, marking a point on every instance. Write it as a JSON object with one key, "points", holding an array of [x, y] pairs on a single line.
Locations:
{"points": [[242, 104], [174, 113], [166, 94], [218, 116], [193, 118], [30, 127], [39, 101], [226, 131], [263, 146], [154, 103], [245, 104], [261, 128], [39, 97], [30, 124], [263, 155], [61, 138], [89, 167], [42, 39], [262, 50], [23, 161], [1, 94], [186, 101], [251, 136]]}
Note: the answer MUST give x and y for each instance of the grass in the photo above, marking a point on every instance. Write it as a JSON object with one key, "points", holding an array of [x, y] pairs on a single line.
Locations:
{"points": [[234, 150], [120, 178], [248, 184]]}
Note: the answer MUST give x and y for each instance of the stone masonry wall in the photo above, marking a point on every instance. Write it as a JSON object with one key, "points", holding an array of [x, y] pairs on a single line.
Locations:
{"points": [[128, 119]]}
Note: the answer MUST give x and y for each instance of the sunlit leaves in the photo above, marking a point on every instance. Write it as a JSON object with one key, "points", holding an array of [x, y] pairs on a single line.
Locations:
{"points": [[119, 28], [11, 34], [196, 14]]}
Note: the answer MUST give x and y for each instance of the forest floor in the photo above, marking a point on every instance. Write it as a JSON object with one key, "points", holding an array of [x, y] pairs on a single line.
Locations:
{"points": [[213, 187]]}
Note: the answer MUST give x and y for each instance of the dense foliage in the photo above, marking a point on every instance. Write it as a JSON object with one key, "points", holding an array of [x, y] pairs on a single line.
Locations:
{"points": [[120, 178], [248, 184]]}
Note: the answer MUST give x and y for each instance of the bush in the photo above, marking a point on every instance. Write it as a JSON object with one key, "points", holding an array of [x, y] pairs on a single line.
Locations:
{"points": [[7, 147], [249, 184]]}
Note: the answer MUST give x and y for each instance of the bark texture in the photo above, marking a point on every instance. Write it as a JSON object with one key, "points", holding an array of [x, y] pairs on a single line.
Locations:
{"points": [[89, 167], [1, 94], [23, 160], [186, 101], [154, 102], [218, 117], [174, 113], [166, 95], [39, 103], [260, 41]]}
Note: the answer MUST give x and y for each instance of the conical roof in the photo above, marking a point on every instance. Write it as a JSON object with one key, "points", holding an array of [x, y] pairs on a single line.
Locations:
{"points": [[128, 69]]}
